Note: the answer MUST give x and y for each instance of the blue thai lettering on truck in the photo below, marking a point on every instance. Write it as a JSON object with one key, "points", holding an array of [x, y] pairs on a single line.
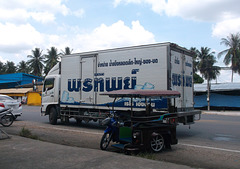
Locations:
{"points": [[181, 80], [87, 85], [101, 84], [114, 85], [72, 86]]}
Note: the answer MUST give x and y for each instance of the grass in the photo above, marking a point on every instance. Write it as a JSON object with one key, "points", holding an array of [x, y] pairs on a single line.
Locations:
{"points": [[27, 133], [146, 155]]}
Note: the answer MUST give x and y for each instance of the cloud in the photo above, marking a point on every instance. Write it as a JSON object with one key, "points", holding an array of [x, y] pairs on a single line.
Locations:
{"points": [[226, 75], [218, 12], [3, 60], [79, 13], [43, 11], [14, 38], [43, 17], [115, 35], [17, 41], [223, 28]]}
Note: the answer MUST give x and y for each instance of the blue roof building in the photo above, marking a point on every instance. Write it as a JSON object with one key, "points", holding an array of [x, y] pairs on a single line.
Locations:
{"points": [[223, 96], [16, 79]]}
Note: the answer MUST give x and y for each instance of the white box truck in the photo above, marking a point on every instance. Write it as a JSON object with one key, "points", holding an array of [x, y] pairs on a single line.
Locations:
{"points": [[72, 89]]}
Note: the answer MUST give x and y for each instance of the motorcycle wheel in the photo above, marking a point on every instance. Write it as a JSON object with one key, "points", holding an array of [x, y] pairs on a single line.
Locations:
{"points": [[106, 138], [7, 120]]}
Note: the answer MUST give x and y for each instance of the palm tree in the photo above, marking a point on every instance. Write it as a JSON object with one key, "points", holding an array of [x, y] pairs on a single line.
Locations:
{"points": [[232, 54], [10, 67], [51, 59], [23, 67], [67, 51], [207, 68], [36, 62], [195, 59], [2, 68], [196, 77]]}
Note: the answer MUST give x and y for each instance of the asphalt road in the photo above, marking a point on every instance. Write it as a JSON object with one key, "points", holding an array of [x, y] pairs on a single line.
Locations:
{"points": [[211, 130], [212, 142]]}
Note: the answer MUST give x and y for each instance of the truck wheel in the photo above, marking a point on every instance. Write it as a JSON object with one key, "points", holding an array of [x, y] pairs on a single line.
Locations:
{"points": [[78, 121], [53, 116], [106, 138], [157, 143]]}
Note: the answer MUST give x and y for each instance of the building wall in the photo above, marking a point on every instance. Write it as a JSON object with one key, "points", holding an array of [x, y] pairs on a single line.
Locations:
{"points": [[34, 98], [218, 101]]}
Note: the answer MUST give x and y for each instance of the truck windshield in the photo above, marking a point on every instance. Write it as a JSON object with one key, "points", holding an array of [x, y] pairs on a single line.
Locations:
{"points": [[48, 84]]}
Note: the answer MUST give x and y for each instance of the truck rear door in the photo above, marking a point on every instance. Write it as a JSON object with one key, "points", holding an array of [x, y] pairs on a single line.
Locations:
{"points": [[181, 78], [88, 69]]}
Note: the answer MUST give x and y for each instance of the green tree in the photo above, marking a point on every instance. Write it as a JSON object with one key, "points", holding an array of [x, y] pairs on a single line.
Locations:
{"points": [[196, 77], [36, 62], [207, 68], [23, 67], [195, 59], [232, 54], [67, 51], [51, 57], [2, 68], [10, 67]]}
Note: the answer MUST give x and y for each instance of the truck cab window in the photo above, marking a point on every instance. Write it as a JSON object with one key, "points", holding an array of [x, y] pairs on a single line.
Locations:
{"points": [[48, 84]]}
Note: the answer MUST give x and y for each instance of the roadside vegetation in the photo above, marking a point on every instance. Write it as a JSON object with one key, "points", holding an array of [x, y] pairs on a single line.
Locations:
{"points": [[150, 156], [38, 64], [28, 134]]}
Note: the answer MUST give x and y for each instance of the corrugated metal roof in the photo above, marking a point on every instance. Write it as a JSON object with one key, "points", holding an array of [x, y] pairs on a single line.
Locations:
{"points": [[217, 87], [8, 81], [15, 91]]}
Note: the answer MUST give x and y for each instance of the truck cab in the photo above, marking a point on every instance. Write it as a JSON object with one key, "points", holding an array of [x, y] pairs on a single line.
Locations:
{"points": [[51, 91]]}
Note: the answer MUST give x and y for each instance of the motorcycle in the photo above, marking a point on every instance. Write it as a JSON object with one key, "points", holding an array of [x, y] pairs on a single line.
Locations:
{"points": [[111, 133], [6, 117]]}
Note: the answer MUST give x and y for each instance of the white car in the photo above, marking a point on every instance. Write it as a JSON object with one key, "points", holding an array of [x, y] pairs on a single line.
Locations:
{"points": [[8, 102]]}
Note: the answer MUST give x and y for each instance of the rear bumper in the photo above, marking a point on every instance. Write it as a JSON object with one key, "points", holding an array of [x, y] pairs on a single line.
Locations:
{"points": [[189, 113], [17, 112], [189, 117]]}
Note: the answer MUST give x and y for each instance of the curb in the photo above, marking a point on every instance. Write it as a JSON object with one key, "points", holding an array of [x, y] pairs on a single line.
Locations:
{"points": [[223, 113]]}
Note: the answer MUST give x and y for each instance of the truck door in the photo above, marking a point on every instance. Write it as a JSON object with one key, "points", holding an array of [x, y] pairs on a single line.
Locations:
{"points": [[88, 69], [48, 90]]}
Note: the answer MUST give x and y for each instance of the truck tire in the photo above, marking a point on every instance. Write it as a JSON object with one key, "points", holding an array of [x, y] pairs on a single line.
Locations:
{"points": [[78, 121], [53, 116]]}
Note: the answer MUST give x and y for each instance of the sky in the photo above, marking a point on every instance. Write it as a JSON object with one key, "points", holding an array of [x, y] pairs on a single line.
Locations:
{"points": [[102, 24]]}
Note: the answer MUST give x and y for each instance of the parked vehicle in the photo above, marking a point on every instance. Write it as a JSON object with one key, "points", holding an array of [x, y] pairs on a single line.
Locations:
{"points": [[8, 102], [72, 88], [6, 117], [111, 133], [144, 131]]}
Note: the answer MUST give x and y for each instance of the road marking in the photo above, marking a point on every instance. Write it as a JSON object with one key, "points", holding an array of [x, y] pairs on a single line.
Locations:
{"points": [[211, 148], [78, 131]]}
